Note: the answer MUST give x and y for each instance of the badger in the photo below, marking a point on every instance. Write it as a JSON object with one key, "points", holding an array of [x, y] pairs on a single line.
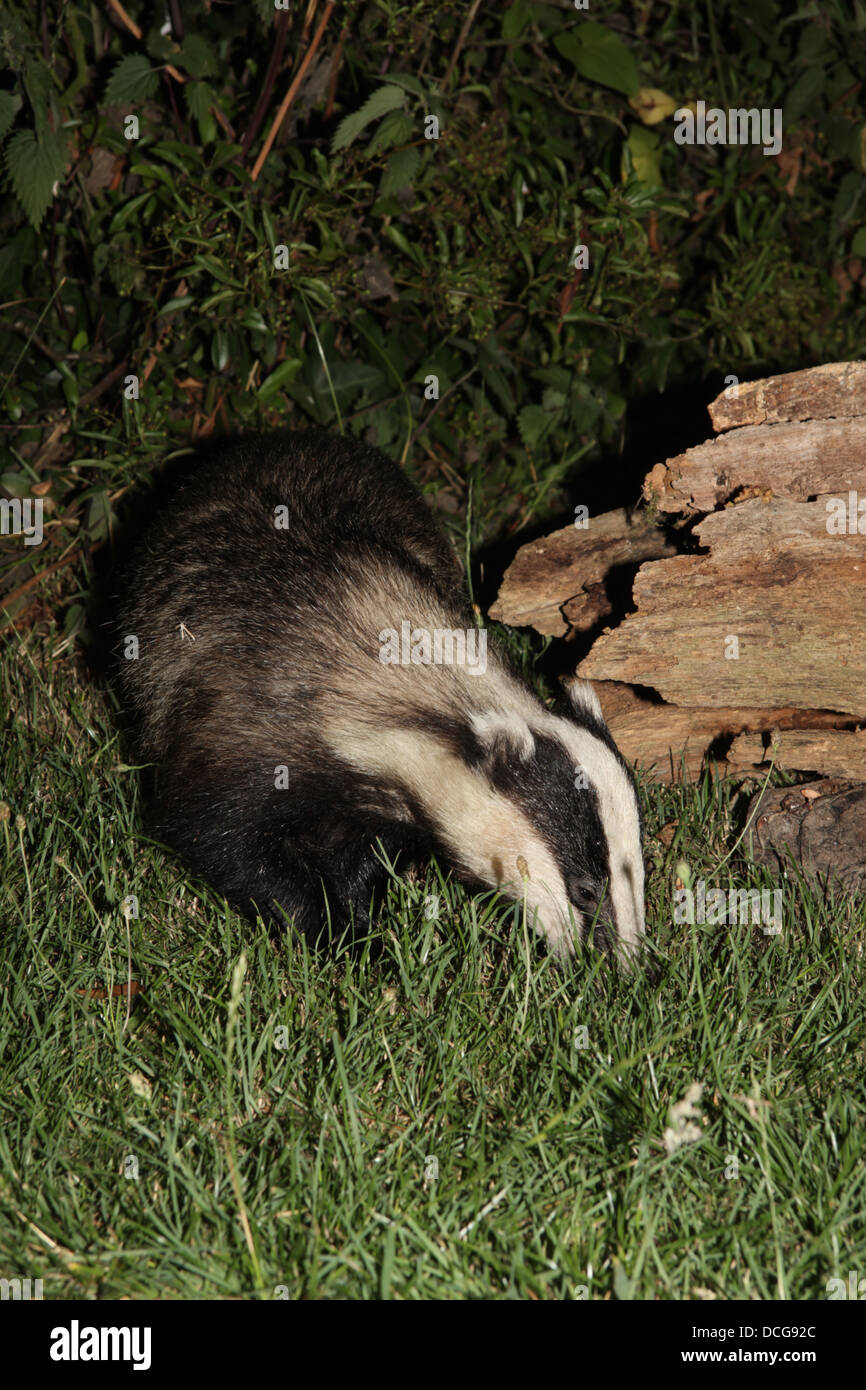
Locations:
{"points": [[303, 671]]}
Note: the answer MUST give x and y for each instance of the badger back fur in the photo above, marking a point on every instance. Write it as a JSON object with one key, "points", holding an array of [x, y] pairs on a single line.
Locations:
{"points": [[264, 601]]}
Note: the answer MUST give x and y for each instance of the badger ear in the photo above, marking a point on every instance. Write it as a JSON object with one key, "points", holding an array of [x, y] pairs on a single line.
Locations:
{"points": [[495, 729], [583, 699]]}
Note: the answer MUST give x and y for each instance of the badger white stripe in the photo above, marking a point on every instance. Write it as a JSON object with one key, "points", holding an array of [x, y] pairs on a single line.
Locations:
{"points": [[483, 832]]}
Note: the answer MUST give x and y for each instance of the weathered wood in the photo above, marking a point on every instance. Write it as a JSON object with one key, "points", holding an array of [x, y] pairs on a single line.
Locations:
{"points": [[669, 741], [818, 393], [559, 583], [835, 753], [822, 825], [776, 589], [797, 461]]}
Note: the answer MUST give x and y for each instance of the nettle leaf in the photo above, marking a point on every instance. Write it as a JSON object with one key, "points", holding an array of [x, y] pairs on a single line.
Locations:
{"points": [[405, 79], [34, 167], [197, 57], [133, 80], [399, 171], [10, 105], [382, 101], [533, 423], [199, 96], [599, 56], [37, 81], [396, 129]]}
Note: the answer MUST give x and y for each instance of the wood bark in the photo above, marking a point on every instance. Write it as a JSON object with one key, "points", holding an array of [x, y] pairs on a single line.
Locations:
{"points": [[773, 615], [560, 583], [747, 641], [818, 393], [670, 743]]}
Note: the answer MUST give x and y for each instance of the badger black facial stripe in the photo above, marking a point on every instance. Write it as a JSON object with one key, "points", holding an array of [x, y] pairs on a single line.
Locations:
{"points": [[619, 814]]}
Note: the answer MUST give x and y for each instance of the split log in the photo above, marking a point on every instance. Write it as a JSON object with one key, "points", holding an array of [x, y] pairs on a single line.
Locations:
{"points": [[796, 460], [774, 615], [670, 743], [833, 752], [818, 393], [753, 650], [560, 583]]}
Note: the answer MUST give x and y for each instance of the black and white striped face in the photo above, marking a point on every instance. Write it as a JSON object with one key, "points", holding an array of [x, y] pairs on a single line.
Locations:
{"points": [[541, 806], [568, 798]]}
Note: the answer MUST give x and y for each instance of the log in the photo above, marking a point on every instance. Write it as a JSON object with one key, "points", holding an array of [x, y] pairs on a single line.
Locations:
{"points": [[751, 652], [832, 752], [669, 742], [774, 615], [559, 584], [818, 393], [797, 460]]}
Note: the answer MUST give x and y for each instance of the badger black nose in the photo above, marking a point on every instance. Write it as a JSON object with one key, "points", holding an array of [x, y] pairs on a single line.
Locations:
{"points": [[603, 936]]}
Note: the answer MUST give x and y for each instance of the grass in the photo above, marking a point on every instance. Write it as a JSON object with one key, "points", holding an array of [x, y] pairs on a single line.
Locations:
{"points": [[448, 1118]]}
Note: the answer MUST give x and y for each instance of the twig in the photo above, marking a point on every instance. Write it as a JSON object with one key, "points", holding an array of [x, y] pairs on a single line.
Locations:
{"points": [[292, 92], [6, 599], [281, 26], [137, 34], [458, 47]]}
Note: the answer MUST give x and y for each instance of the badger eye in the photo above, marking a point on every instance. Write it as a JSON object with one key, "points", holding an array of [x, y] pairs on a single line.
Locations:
{"points": [[583, 891]]}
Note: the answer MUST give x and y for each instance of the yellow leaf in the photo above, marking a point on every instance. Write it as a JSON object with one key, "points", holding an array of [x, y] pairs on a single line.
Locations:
{"points": [[652, 105]]}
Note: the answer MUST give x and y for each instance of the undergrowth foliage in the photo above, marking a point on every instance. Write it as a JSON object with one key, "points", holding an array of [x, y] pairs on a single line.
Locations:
{"points": [[430, 190]]}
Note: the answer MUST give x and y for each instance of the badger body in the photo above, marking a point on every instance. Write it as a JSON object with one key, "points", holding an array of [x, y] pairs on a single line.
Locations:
{"points": [[303, 670]]}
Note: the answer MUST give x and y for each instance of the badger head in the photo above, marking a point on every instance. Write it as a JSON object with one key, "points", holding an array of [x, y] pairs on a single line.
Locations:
{"points": [[538, 805], [560, 824]]}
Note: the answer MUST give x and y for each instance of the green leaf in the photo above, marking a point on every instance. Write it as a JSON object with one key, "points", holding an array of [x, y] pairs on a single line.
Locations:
{"points": [[641, 156], [515, 19], [848, 195], [399, 171], [804, 94], [533, 423], [16, 483], [348, 378], [382, 101], [199, 96], [37, 82], [858, 242], [396, 129], [280, 376], [132, 81], [599, 56], [407, 81], [10, 105], [197, 57], [34, 166]]}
